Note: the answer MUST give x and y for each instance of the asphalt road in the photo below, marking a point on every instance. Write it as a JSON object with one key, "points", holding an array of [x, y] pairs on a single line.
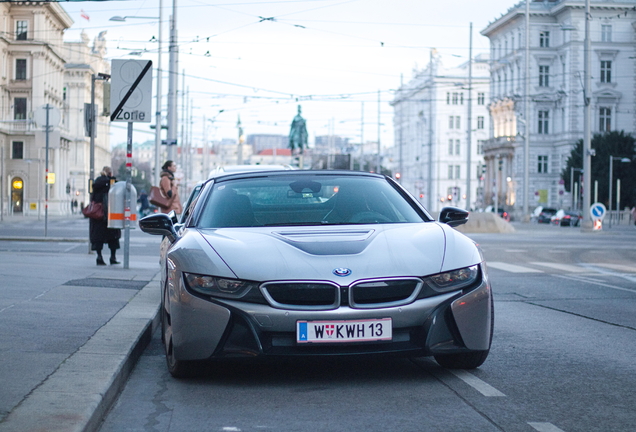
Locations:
{"points": [[562, 360]]}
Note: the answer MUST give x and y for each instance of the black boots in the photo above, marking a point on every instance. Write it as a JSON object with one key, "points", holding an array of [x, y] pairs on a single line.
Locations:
{"points": [[113, 260], [100, 260]]}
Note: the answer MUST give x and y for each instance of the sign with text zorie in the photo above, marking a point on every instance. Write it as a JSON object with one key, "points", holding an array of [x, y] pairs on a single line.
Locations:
{"points": [[131, 91]]}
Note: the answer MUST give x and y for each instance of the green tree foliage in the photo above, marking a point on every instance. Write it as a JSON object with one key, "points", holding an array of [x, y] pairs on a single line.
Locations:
{"points": [[616, 144]]}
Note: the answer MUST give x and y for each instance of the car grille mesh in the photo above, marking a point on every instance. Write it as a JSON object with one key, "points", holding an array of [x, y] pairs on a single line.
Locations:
{"points": [[365, 294], [303, 294], [379, 292]]}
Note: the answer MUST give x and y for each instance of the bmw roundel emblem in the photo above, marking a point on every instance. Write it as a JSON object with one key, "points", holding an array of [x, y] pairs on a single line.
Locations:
{"points": [[341, 271]]}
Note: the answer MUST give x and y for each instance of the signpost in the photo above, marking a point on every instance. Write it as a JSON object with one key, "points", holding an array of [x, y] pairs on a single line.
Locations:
{"points": [[597, 213], [131, 95], [49, 117]]}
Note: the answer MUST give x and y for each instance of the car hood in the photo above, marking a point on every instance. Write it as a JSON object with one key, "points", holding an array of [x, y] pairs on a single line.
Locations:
{"points": [[313, 253]]}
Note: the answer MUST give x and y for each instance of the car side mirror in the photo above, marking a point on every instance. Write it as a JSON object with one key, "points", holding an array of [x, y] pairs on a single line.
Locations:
{"points": [[453, 216], [159, 224]]}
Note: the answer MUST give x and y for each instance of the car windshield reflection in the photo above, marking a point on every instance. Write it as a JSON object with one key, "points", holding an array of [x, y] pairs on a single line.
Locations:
{"points": [[311, 200]]}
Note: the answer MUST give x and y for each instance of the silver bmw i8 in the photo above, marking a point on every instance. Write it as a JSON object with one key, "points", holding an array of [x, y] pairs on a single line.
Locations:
{"points": [[315, 263]]}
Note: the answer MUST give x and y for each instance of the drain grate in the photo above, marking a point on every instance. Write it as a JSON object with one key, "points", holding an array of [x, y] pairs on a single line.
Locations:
{"points": [[108, 283]]}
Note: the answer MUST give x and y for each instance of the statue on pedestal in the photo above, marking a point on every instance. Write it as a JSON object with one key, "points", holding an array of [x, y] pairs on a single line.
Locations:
{"points": [[298, 134]]}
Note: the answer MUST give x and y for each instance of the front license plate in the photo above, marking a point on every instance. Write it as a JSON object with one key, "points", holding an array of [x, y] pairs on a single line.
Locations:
{"points": [[343, 331]]}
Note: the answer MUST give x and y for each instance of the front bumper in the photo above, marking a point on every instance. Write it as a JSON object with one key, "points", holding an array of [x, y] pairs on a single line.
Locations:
{"points": [[446, 323]]}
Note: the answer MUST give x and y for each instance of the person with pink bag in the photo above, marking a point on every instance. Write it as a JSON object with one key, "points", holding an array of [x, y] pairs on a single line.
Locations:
{"points": [[99, 233], [169, 188]]}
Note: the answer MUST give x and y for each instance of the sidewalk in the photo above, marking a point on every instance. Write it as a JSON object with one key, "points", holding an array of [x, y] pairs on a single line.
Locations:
{"points": [[72, 331]]}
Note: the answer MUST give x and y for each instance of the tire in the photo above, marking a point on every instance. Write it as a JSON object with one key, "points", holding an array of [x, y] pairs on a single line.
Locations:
{"points": [[468, 360], [177, 368]]}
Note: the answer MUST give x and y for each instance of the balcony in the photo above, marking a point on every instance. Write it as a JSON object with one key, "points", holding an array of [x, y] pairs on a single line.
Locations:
{"points": [[16, 126]]}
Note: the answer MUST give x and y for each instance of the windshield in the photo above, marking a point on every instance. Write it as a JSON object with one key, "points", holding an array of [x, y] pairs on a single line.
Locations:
{"points": [[305, 200]]}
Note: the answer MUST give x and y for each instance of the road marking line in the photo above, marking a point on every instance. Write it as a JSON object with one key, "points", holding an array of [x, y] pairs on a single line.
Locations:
{"points": [[594, 282], [544, 427], [477, 384], [620, 267], [511, 267], [564, 267]]}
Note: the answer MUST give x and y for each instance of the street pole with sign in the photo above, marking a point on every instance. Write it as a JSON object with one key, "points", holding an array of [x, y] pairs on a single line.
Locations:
{"points": [[131, 94]]}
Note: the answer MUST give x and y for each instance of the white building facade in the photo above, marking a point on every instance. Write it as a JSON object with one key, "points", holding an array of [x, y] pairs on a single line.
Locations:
{"points": [[34, 73], [554, 121], [433, 131]]}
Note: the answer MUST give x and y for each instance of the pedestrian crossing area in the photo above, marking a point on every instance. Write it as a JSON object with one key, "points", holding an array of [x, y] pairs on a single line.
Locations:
{"points": [[553, 267]]}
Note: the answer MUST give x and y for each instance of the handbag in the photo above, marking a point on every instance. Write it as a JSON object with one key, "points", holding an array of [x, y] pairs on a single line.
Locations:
{"points": [[156, 198], [94, 210]]}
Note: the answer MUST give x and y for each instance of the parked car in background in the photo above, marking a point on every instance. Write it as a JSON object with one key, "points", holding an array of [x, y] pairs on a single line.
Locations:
{"points": [[545, 216], [318, 263], [570, 218]]}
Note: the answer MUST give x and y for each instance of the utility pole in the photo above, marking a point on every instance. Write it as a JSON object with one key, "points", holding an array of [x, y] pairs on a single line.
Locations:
{"points": [[158, 109], [526, 113], [587, 224], [172, 85], [379, 162], [470, 117], [431, 100]]}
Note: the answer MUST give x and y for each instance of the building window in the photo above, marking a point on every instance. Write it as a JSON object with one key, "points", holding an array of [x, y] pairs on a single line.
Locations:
{"points": [[605, 119], [451, 122], [543, 117], [19, 109], [544, 39], [542, 167], [606, 71], [544, 76], [21, 29], [480, 147], [20, 69], [450, 146], [17, 150], [458, 172], [455, 98], [480, 122], [457, 122], [481, 98], [448, 98], [450, 172], [606, 33], [458, 147]]}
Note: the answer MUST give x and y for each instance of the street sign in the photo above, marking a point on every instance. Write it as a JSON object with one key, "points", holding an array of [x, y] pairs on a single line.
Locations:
{"points": [[598, 211], [39, 116], [131, 91]]}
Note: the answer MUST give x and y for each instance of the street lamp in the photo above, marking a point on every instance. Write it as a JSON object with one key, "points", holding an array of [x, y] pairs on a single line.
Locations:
{"points": [[158, 109], [618, 198]]}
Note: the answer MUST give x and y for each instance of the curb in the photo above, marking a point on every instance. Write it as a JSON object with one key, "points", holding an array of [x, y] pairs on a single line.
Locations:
{"points": [[77, 396], [46, 239]]}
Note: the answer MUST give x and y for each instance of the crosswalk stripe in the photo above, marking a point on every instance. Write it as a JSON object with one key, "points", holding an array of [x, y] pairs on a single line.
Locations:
{"points": [[619, 267], [512, 268], [563, 267]]}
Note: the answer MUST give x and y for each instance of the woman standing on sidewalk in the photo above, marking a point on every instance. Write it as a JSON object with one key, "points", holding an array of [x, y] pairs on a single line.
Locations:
{"points": [[168, 187], [99, 232]]}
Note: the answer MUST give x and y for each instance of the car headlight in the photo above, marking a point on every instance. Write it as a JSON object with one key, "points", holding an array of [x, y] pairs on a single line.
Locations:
{"points": [[454, 279], [218, 287]]}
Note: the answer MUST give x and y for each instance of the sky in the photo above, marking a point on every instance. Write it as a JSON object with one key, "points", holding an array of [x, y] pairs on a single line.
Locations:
{"points": [[258, 60]]}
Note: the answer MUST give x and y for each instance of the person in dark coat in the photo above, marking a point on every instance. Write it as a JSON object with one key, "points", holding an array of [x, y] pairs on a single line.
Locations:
{"points": [[99, 232]]}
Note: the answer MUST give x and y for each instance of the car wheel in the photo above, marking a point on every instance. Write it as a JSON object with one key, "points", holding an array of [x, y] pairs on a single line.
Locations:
{"points": [[177, 368], [469, 360]]}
